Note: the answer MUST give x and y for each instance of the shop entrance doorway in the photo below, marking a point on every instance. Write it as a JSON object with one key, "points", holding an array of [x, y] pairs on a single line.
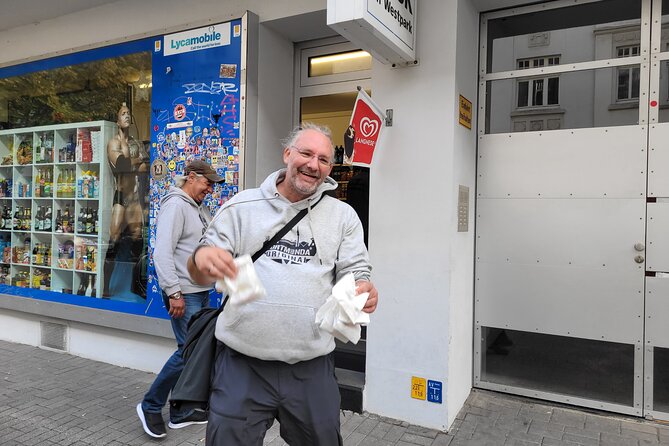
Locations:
{"points": [[572, 255], [329, 73]]}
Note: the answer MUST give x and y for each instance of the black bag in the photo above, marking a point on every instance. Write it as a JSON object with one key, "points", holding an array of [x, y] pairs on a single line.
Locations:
{"points": [[139, 276]]}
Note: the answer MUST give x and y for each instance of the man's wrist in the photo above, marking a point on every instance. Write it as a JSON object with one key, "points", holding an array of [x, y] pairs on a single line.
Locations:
{"points": [[176, 296]]}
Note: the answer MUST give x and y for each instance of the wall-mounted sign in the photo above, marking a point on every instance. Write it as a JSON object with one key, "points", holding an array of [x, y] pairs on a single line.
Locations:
{"points": [[197, 39], [465, 115], [385, 28], [418, 388], [434, 391]]}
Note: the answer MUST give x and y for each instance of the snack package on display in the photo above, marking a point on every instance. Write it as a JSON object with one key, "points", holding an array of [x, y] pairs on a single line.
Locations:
{"points": [[244, 288], [341, 315]]}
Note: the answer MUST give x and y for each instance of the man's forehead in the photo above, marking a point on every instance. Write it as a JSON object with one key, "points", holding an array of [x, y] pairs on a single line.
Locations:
{"points": [[312, 139]]}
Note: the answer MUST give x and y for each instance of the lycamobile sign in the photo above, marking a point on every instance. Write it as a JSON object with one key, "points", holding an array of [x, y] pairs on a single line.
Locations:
{"points": [[197, 39]]}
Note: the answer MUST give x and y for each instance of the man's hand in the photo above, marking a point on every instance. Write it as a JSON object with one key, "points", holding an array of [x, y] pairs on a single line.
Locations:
{"points": [[363, 286], [177, 307], [211, 264]]}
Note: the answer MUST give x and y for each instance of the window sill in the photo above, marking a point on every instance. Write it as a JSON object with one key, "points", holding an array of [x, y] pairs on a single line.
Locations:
{"points": [[624, 106], [538, 111]]}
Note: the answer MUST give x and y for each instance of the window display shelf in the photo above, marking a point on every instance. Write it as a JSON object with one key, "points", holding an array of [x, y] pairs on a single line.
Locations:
{"points": [[53, 229]]}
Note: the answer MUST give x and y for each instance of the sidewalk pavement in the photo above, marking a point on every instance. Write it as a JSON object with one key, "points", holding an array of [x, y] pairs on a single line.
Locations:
{"points": [[50, 398]]}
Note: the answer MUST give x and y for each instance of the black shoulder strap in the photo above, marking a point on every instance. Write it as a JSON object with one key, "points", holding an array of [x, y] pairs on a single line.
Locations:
{"points": [[269, 243]]}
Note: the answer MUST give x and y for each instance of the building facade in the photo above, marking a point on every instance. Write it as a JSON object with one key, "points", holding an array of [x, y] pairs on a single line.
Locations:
{"points": [[512, 203]]}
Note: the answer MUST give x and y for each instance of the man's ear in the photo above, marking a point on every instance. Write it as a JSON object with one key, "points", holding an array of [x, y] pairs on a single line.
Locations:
{"points": [[286, 154]]}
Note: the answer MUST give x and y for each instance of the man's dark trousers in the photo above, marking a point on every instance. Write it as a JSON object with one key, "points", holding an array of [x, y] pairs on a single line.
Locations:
{"points": [[248, 393]]}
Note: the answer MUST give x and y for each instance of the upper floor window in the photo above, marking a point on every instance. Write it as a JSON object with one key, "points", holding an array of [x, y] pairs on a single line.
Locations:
{"points": [[627, 81], [540, 91]]}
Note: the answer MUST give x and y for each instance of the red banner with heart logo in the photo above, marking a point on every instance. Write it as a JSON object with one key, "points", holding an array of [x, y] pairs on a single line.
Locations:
{"points": [[363, 132]]}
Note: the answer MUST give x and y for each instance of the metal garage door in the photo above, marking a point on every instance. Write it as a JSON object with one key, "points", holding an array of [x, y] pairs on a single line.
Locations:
{"points": [[572, 301]]}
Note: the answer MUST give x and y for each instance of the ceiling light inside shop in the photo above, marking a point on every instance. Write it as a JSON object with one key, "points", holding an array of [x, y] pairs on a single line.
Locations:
{"points": [[340, 63]]}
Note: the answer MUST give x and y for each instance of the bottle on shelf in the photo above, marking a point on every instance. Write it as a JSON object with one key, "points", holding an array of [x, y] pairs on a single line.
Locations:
{"points": [[26, 224], [67, 220], [3, 220], [16, 222], [48, 185], [37, 183], [88, 221], [59, 184], [59, 222], [46, 223], [38, 219], [80, 221]]}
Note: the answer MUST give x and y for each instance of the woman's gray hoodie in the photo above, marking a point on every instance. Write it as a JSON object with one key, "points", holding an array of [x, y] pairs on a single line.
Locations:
{"points": [[298, 271], [181, 223]]}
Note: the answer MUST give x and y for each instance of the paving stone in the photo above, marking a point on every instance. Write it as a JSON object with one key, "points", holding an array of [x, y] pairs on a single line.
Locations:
{"points": [[518, 442], [442, 440], [579, 439], [611, 439], [554, 442], [416, 439], [366, 426], [640, 435], [354, 439], [394, 433], [639, 426], [599, 423], [568, 418], [422, 431], [381, 429], [582, 432]]}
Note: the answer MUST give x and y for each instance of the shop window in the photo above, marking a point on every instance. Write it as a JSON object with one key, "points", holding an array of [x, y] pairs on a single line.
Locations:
{"points": [[538, 92], [628, 77], [63, 227]]}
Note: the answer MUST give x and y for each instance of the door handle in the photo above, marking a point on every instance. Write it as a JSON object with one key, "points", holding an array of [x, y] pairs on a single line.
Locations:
{"points": [[639, 259], [639, 246]]}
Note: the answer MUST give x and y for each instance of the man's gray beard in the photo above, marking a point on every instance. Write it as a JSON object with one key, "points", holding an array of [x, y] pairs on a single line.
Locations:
{"points": [[305, 191]]}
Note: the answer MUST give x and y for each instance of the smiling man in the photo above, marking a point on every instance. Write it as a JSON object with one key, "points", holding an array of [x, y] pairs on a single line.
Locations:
{"points": [[273, 359]]}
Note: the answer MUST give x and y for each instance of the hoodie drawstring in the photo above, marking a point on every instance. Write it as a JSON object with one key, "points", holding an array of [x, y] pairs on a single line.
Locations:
{"points": [[313, 234]]}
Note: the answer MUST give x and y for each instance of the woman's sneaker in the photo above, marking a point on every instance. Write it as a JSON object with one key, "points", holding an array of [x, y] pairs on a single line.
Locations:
{"points": [[152, 423], [198, 416]]}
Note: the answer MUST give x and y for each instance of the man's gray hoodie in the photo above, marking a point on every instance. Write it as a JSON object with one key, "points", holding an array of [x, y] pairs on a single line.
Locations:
{"points": [[298, 271], [181, 223]]}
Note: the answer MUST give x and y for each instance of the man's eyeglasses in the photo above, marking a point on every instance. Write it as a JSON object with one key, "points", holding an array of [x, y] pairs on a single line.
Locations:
{"points": [[308, 154]]}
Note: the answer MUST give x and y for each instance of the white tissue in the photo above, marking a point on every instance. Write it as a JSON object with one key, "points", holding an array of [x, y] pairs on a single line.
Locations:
{"points": [[341, 315], [244, 288]]}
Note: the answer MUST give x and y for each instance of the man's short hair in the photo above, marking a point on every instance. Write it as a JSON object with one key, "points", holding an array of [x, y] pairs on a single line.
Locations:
{"points": [[297, 131]]}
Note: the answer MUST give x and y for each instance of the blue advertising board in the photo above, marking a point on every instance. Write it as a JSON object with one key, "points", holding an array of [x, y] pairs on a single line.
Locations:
{"points": [[195, 115]]}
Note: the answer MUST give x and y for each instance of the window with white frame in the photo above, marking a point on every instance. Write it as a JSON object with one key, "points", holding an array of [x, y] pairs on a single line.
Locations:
{"points": [[627, 79], [540, 91]]}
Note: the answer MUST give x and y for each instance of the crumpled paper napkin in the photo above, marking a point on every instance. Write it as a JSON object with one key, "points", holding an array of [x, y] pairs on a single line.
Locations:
{"points": [[244, 288], [341, 315]]}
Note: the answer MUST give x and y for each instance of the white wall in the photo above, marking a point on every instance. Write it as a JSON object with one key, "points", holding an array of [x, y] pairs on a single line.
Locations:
{"points": [[422, 266], [122, 348], [463, 172], [275, 104]]}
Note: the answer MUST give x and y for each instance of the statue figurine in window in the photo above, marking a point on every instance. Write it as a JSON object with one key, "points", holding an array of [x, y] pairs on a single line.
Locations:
{"points": [[349, 145], [129, 162]]}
